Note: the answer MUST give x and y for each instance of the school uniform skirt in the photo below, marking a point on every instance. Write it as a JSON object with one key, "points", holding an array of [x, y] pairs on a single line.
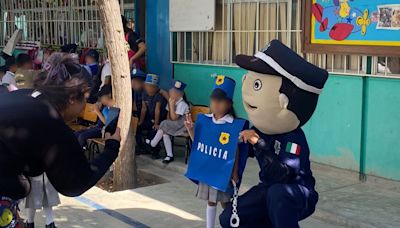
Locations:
{"points": [[211, 194], [42, 194], [174, 127]]}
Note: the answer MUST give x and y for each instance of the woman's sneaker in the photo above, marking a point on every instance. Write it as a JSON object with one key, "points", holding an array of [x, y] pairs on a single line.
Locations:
{"points": [[168, 159]]}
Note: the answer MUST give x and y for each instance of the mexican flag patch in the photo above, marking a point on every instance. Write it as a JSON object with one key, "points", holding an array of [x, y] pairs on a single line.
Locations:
{"points": [[293, 148]]}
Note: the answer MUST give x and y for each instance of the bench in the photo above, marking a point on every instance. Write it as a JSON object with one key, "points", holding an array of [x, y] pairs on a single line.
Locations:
{"points": [[94, 144], [88, 117]]}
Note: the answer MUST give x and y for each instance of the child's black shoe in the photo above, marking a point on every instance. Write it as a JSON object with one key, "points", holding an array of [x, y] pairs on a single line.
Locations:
{"points": [[51, 225], [168, 160]]}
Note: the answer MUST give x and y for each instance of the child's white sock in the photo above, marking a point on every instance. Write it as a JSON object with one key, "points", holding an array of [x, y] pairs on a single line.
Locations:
{"points": [[211, 214], [48, 211], [157, 138], [168, 145], [31, 215]]}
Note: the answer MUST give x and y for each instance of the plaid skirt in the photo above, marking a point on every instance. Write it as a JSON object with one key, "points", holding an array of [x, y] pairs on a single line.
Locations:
{"points": [[174, 127], [211, 194]]}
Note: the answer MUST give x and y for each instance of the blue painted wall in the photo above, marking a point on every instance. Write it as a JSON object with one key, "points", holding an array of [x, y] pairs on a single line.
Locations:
{"points": [[334, 131], [158, 40]]}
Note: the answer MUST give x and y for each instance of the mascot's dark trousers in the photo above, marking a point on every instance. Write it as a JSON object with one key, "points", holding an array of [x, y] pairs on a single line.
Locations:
{"points": [[278, 206]]}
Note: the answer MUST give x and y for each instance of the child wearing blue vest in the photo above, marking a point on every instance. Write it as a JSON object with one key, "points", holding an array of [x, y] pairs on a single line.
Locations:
{"points": [[174, 125], [92, 62], [222, 113]]}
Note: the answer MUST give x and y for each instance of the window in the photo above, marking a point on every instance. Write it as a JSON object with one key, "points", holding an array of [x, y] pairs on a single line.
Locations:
{"points": [[246, 26], [242, 27]]}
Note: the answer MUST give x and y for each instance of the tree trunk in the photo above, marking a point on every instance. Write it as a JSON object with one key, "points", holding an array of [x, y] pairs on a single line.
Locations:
{"points": [[124, 166]]}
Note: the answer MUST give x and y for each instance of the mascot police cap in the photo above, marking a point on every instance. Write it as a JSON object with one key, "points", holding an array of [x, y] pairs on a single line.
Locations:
{"points": [[280, 90]]}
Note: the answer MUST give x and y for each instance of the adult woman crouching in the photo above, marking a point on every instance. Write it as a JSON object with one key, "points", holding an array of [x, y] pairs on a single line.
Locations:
{"points": [[35, 139]]}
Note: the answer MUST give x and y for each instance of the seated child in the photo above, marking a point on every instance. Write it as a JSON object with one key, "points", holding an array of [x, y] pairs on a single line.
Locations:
{"points": [[93, 68], [91, 62], [25, 74], [137, 80], [24, 62], [101, 109], [8, 79], [105, 75], [152, 113], [177, 108]]}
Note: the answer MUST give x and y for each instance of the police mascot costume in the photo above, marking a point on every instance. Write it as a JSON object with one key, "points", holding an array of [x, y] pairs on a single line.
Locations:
{"points": [[280, 93]]}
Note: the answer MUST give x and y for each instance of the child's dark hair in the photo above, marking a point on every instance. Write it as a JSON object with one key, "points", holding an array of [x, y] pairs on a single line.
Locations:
{"points": [[62, 79], [106, 90], [23, 59], [10, 62], [231, 111], [185, 98]]}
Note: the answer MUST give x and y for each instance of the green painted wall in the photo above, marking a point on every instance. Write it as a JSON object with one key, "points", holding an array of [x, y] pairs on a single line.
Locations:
{"points": [[383, 128], [334, 132]]}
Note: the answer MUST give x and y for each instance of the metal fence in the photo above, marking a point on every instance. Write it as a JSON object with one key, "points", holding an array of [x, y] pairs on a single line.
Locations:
{"points": [[246, 26], [56, 22]]}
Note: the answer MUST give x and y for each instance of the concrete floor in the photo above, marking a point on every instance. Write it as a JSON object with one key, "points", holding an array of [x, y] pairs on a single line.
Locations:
{"points": [[344, 201]]}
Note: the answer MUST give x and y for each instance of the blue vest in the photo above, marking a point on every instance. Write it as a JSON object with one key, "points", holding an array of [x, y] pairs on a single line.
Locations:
{"points": [[93, 69], [214, 151]]}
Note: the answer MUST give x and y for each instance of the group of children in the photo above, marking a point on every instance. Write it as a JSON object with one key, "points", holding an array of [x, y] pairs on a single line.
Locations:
{"points": [[13, 67], [161, 114]]}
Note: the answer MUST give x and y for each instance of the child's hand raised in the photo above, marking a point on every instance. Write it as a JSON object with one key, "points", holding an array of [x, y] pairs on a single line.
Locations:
{"points": [[189, 122], [171, 101]]}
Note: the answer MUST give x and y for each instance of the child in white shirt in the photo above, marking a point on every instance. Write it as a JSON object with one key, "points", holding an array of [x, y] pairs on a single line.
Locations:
{"points": [[174, 125]]}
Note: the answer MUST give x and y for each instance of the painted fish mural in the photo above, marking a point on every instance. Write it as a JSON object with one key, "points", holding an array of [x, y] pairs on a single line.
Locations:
{"points": [[341, 20]]}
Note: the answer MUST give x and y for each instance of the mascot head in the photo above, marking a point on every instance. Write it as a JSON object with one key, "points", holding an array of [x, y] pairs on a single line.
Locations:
{"points": [[281, 89]]}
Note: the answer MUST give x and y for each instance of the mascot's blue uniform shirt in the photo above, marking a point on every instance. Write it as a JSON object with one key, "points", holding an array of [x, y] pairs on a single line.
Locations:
{"points": [[284, 158]]}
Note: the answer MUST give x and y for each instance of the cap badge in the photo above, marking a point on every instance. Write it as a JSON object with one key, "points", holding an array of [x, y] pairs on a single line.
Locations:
{"points": [[220, 80], [178, 85]]}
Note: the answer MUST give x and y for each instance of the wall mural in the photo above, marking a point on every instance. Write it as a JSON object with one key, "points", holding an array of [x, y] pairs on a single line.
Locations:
{"points": [[353, 23]]}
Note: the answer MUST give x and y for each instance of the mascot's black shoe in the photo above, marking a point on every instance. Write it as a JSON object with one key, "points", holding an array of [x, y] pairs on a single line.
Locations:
{"points": [[51, 225], [29, 225]]}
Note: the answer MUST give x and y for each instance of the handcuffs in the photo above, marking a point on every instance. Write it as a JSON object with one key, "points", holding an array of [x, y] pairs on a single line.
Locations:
{"points": [[235, 221]]}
